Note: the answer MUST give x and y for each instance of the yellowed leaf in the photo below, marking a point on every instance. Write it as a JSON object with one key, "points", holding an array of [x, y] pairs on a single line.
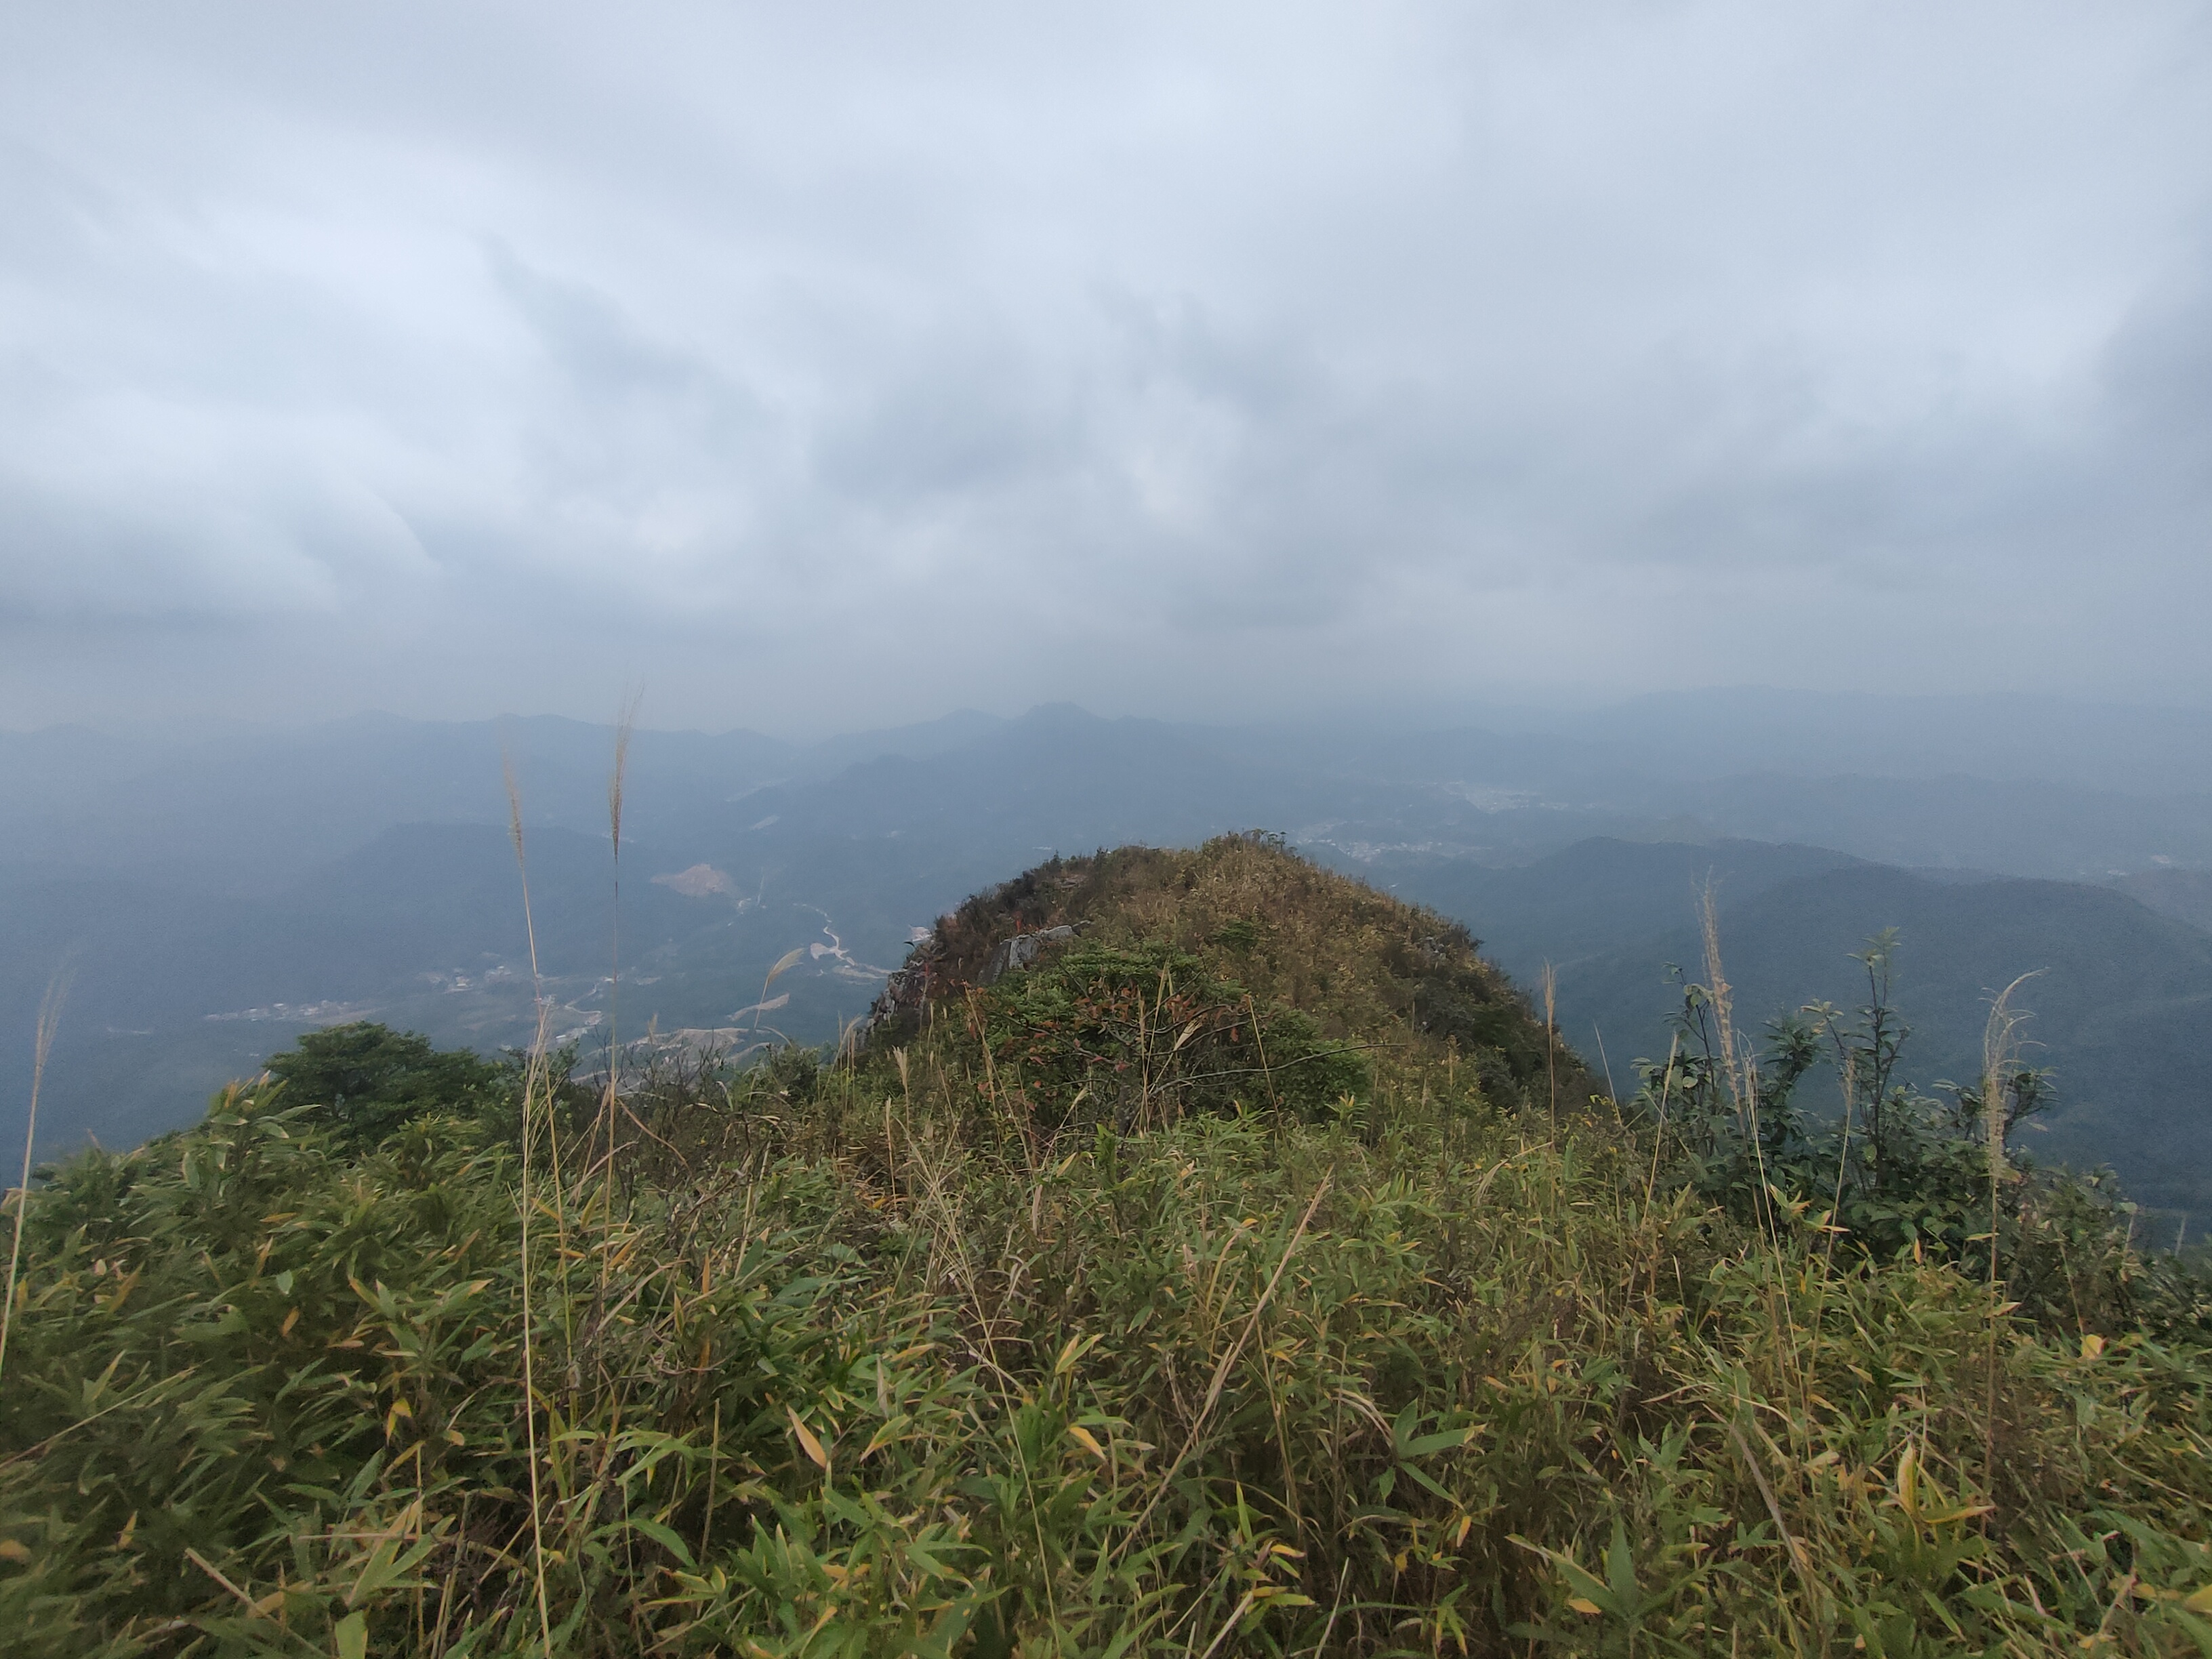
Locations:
{"points": [[1078, 1345], [2200, 1602], [1082, 1437], [10, 1550], [2092, 1346], [807, 1442], [1583, 1604], [1963, 1512]]}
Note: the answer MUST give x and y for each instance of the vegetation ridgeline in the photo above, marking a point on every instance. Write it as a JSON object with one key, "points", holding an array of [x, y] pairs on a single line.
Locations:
{"points": [[1252, 1272]]}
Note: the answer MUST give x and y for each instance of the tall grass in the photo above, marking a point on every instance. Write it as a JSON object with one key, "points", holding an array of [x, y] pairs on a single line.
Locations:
{"points": [[1999, 1055], [533, 1081], [625, 728], [909, 1355], [49, 1014]]}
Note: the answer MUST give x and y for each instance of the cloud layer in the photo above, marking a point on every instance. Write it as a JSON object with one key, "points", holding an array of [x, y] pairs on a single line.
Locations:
{"points": [[823, 365]]}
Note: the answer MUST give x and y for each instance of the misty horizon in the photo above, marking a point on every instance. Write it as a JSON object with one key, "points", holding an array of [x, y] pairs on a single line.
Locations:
{"points": [[1567, 710]]}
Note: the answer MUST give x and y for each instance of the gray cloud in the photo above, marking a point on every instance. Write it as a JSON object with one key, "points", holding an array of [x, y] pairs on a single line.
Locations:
{"points": [[448, 359]]}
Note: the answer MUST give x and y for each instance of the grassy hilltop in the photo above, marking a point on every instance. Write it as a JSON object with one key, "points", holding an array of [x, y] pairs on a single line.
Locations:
{"points": [[1245, 1269]]}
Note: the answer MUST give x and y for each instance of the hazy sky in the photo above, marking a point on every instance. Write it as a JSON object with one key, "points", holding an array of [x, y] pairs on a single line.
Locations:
{"points": [[842, 364]]}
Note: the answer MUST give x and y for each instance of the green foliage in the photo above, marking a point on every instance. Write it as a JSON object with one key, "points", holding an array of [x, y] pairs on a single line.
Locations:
{"points": [[848, 1358], [1251, 919], [1140, 1036], [1896, 1173], [366, 1080]]}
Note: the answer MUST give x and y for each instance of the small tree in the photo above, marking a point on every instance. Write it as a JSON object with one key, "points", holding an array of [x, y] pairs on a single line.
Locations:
{"points": [[368, 1080]]}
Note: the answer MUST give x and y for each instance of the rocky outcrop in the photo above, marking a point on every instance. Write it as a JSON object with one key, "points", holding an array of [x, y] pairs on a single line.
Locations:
{"points": [[930, 972], [1019, 952]]}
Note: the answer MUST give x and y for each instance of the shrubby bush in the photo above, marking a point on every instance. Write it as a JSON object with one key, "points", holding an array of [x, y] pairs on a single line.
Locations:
{"points": [[364, 1080], [1896, 1172]]}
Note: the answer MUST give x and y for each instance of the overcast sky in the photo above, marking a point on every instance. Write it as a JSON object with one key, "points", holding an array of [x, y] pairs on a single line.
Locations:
{"points": [[835, 365]]}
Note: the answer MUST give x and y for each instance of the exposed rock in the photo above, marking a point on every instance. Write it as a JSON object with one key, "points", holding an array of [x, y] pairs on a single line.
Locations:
{"points": [[1020, 951], [928, 973]]}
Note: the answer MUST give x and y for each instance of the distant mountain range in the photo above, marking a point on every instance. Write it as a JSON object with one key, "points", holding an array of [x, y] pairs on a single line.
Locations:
{"points": [[214, 895]]}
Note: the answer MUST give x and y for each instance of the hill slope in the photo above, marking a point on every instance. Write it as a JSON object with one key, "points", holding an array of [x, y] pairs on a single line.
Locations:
{"points": [[1596, 897], [2185, 895], [1055, 1318], [1367, 969]]}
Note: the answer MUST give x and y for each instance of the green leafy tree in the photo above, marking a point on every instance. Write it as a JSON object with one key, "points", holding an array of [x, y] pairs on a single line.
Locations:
{"points": [[366, 1080]]}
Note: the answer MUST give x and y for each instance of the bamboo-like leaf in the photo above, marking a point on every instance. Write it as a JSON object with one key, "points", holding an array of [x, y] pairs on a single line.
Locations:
{"points": [[807, 1442]]}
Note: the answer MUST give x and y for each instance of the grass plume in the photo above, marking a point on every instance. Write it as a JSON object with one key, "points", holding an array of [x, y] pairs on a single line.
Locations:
{"points": [[533, 1077], [625, 728]]}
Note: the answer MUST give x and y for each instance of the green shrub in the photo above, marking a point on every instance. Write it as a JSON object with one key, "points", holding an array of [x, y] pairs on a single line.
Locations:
{"points": [[1135, 1037], [1899, 1173], [364, 1080]]}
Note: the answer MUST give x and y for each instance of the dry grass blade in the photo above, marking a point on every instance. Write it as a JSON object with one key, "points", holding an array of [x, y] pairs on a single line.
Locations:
{"points": [[1659, 1126], [533, 1078], [49, 1014], [2000, 1053], [1552, 1044], [1798, 1558], [1739, 1065], [1228, 1360], [1722, 994], [625, 727], [1850, 1077]]}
